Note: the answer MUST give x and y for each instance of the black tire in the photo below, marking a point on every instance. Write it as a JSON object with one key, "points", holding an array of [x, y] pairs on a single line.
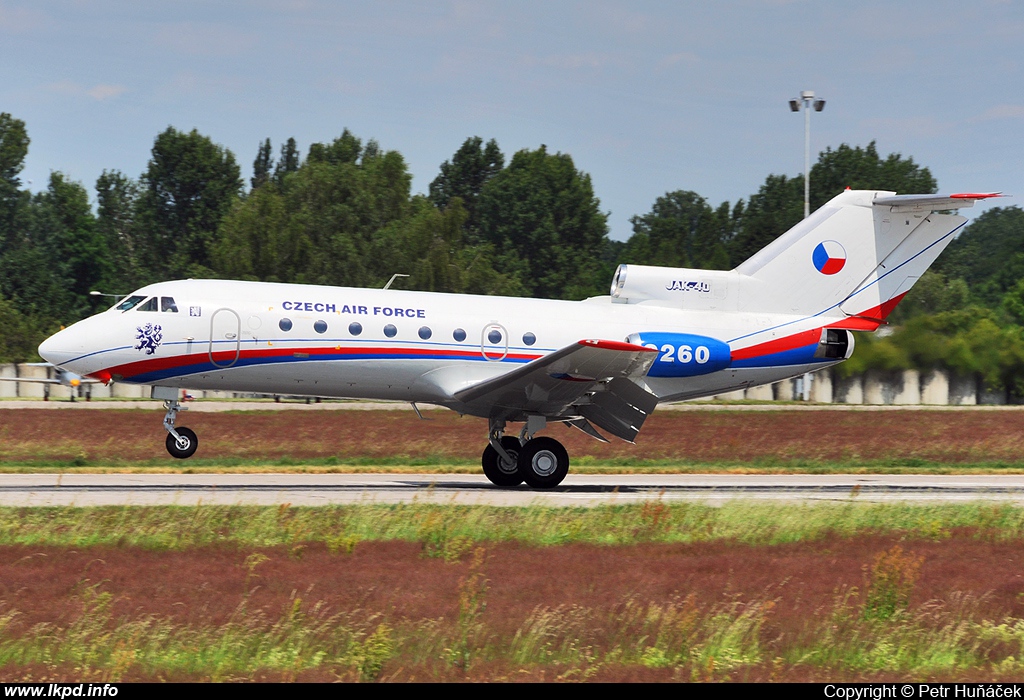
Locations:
{"points": [[177, 450], [496, 470], [543, 463]]}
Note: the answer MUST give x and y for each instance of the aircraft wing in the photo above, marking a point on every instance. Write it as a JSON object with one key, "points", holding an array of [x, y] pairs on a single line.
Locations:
{"points": [[63, 377], [592, 381], [30, 379]]}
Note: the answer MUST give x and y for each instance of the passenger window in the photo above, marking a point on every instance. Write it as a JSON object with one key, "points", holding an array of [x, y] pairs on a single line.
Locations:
{"points": [[459, 335], [390, 331], [129, 303], [494, 336], [167, 304], [529, 338], [320, 326], [149, 305], [285, 324], [425, 333], [355, 328]]}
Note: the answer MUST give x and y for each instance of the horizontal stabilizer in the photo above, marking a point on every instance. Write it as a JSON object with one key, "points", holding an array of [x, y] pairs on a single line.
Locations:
{"points": [[906, 203]]}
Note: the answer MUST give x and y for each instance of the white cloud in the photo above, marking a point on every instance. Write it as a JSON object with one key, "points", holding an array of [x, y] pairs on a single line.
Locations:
{"points": [[15, 20], [902, 128], [574, 61], [98, 92], [687, 58], [1002, 112], [103, 91], [197, 39]]}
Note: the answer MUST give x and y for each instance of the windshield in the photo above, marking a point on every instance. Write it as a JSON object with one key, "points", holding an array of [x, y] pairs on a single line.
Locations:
{"points": [[130, 303]]}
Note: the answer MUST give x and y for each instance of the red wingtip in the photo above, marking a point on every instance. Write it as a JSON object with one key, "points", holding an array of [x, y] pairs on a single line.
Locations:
{"points": [[976, 195], [615, 345]]}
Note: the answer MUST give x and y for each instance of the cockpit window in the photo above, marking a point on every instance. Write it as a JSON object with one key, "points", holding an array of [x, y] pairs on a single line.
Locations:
{"points": [[167, 304], [149, 305], [129, 303]]}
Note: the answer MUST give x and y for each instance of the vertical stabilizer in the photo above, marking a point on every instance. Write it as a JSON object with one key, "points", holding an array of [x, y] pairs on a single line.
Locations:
{"points": [[853, 258]]}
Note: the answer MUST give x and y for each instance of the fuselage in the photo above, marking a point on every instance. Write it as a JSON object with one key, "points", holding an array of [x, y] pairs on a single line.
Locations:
{"points": [[390, 344]]}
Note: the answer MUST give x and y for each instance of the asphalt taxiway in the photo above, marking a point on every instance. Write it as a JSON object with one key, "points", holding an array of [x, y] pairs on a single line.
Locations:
{"points": [[576, 490]]}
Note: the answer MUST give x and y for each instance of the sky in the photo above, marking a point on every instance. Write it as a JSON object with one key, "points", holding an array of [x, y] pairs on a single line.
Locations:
{"points": [[647, 97]]}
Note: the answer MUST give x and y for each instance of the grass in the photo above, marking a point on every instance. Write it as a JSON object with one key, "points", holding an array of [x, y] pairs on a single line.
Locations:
{"points": [[864, 634], [682, 640], [454, 528]]}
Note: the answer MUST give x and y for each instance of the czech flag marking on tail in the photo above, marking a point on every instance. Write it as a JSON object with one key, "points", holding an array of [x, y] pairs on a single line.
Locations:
{"points": [[829, 257]]}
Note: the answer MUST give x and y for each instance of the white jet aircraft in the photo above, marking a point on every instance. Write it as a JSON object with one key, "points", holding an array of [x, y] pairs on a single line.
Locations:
{"points": [[663, 334]]}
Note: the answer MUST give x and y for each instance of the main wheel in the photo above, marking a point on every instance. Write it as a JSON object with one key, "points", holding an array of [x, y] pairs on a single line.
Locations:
{"points": [[500, 471], [186, 448], [543, 463]]}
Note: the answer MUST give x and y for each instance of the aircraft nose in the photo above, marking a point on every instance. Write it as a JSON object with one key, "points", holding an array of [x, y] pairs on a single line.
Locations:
{"points": [[58, 348]]}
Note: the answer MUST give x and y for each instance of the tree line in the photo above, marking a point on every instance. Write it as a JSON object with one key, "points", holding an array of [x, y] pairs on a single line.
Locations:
{"points": [[343, 214]]}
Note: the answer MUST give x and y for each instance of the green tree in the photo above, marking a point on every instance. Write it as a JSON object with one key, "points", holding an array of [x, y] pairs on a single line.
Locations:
{"points": [[472, 166], [988, 255], [932, 294], [319, 226], [288, 162], [777, 207], [20, 335], [863, 169], [13, 149], [545, 223], [58, 257], [261, 166], [681, 230], [778, 204], [116, 201], [189, 186], [66, 222], [429, 246]]}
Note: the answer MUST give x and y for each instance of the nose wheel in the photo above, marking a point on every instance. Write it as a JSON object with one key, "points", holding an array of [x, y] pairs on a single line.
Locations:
{"points": [[183, 446], [181, 442]]}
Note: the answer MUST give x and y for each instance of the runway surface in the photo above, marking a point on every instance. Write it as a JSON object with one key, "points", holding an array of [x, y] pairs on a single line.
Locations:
{"points": [[576, 490], [219, 406]]}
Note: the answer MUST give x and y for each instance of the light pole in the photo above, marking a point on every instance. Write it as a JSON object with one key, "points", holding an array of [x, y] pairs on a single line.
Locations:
{"points": [[807, 101]]}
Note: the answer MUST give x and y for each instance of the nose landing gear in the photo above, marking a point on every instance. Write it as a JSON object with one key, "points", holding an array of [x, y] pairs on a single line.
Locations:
{"points": [[508, 461], [181, 442]]}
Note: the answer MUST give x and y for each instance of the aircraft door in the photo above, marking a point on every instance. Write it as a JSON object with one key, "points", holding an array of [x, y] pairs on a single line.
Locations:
{"points": [[225, 338], [494, 342]]}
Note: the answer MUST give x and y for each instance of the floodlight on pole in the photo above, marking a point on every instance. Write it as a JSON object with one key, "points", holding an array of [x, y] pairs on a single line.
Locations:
{"points": [[808, 102]]}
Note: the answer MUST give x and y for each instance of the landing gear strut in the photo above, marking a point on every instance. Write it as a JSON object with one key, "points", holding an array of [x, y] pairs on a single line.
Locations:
{"points": [[181, 442], [508, 461]]}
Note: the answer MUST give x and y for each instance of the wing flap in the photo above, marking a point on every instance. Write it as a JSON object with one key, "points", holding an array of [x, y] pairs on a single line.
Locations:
{"points": [[621, 408], [551, 385]]}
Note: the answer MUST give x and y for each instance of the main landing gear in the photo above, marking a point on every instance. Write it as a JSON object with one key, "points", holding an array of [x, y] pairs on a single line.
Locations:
{"points": [[181, 442], [541, 462]]}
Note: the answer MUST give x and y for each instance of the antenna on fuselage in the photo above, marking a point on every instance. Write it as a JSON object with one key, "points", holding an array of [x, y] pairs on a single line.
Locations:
{"points": [[393, 278]]}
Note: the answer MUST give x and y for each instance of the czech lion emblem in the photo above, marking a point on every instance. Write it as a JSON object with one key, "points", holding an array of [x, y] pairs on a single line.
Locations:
{"points": [[149, 337]]}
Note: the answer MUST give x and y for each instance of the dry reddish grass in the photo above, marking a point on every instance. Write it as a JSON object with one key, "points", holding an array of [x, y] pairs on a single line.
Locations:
{"points": [[703, 437], [394, 578]]}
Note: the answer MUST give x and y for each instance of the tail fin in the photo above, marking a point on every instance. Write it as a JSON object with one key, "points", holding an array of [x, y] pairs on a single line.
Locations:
{"points": [[854, 258]]}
